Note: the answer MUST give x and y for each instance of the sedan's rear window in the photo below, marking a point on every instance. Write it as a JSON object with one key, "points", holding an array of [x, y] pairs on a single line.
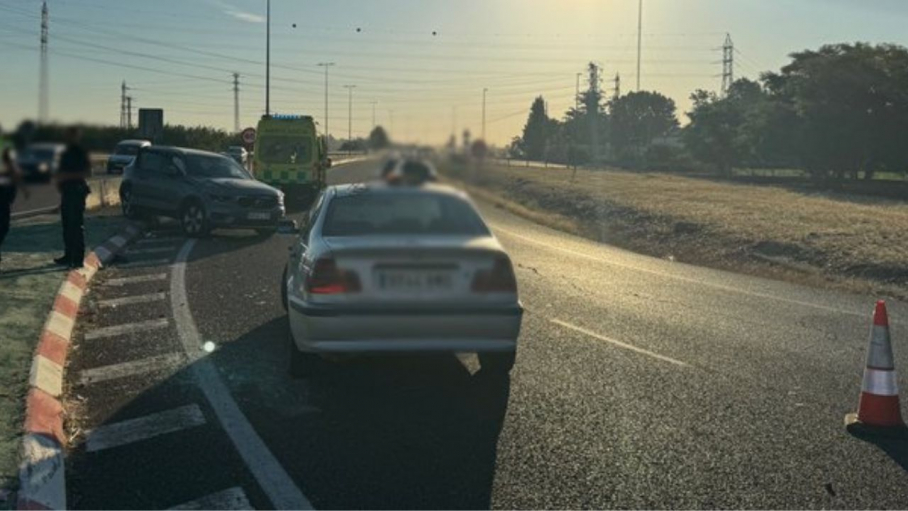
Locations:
{"points": [[402, 213]]}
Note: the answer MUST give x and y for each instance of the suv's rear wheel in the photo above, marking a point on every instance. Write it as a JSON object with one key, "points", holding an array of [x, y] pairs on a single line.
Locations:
{"points": [[194, 220], [126, 204]]}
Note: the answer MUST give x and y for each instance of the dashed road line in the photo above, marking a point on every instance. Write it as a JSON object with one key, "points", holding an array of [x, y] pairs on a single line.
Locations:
{"points": [[127, 328], [144, 264], [231, 498], [143, 428], [132, 300], [618, 343], [138, 279], [132, 368], [268, 472]]}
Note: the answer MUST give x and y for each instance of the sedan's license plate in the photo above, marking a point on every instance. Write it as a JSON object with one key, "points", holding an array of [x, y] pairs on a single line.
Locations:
{"points": [[414, 281], [259, 215]]}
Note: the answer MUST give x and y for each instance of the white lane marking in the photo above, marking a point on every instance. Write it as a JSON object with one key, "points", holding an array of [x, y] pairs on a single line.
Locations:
{"points": [[145, 263], [672, 276], [231, 498], [138, 279], [133, 368], [152, 250], [152, 241], [619, 343], [143, 428], [132, 300], [268, 472], [127, 328]]}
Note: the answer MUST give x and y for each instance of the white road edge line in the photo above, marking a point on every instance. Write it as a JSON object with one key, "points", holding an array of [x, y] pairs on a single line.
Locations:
{"points": [[671, 276], [142, 428], [268, 472], [132, 300], [231, 498], [618, 343]]}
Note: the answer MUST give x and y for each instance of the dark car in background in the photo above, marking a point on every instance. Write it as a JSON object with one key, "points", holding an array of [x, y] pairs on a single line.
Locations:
{"points": [[123, 154], [202, 190], [40, 161]]}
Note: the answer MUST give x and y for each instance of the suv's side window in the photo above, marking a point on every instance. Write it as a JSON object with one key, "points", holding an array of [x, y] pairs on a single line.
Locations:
{"points": [[153, 162]]}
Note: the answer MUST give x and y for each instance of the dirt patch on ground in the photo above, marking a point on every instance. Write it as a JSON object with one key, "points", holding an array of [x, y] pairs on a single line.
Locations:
{"points": [[859, 246]]}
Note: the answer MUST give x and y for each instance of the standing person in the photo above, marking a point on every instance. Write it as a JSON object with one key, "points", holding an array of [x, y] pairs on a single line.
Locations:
{"points": [[10, 178], [74, 170]]}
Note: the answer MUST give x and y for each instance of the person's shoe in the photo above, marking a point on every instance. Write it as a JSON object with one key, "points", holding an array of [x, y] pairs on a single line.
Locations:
{"points": [[63, 261]]}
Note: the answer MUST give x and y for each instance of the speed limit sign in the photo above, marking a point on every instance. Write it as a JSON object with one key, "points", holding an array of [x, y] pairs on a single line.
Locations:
{"points": [[249, 136]]}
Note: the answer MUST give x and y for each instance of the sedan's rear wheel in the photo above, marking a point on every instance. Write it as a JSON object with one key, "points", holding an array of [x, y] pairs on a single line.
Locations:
{"points": [[497, 362]]}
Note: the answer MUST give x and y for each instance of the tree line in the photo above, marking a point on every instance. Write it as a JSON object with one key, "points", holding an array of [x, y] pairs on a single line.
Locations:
{"points": [[836, 113]]}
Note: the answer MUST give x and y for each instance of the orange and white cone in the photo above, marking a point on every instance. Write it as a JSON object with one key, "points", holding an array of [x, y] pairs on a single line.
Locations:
{"points": [[879, 404]]}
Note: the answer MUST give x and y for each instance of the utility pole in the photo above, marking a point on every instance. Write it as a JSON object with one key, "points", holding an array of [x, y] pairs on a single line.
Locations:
{"points": [[43, 87], [373, 113], [577, 94], [326, 65], [129, 112], [484, 92], [350, 115], [123, 89], [616, 90], [236, 102], [592, 111], [728, 64], [639, 40], [268, 59]]}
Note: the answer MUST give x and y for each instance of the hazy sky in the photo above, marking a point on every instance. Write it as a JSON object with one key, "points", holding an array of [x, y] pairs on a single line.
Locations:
{"points": [[179, 55]]}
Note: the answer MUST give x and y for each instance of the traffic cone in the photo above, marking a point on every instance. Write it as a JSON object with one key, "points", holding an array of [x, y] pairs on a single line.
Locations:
{"points": [[878, 409]]}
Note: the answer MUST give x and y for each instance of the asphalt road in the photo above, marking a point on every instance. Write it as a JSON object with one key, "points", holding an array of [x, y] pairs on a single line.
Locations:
{"points": [[640, 383]]}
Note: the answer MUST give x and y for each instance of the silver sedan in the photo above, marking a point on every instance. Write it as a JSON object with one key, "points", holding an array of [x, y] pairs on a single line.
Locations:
{"points": [[399, 269]]}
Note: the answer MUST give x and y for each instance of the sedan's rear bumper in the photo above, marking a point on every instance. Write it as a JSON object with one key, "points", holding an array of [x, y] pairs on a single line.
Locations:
{"points": [[383, 330]]}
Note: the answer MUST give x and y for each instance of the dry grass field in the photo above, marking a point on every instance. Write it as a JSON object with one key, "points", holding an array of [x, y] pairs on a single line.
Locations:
{"points": [[856, 242]]}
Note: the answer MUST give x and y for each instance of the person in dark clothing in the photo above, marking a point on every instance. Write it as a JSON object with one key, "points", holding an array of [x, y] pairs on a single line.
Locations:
{"points": [[10, 178], [74, 170]]}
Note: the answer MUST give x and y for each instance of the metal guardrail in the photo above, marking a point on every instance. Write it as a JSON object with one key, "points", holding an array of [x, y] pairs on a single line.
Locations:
{"points": [[105, 191]]}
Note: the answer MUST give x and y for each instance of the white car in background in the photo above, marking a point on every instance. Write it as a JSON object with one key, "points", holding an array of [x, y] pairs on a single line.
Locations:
{"points": [[380, 268], [124, 154]]}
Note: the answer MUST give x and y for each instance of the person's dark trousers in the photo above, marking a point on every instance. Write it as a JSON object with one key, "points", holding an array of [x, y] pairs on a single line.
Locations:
{"points": [[72, 213], [7, 196]]}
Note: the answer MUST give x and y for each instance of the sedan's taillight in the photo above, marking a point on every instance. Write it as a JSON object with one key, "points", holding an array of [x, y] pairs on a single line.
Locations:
{"points": [[500, 279], [327, 279]]}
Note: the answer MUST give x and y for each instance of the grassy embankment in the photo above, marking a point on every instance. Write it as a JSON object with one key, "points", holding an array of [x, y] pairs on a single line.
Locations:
{"points": [[849, 242]]}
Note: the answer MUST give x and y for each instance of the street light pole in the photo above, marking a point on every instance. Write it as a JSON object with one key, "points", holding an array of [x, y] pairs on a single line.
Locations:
{"points": [[268, 60], [326, 65], [350, 116], [484, 91]]}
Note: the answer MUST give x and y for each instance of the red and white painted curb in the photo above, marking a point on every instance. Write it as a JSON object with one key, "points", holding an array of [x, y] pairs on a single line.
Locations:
{"points": [[41, 479]]}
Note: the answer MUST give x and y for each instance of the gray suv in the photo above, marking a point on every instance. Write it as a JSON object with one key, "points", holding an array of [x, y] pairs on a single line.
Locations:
{"points": [[200, 189]]}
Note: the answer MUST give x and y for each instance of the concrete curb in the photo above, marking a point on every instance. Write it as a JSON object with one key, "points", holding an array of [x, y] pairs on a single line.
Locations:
{"points": [[41, 479]]}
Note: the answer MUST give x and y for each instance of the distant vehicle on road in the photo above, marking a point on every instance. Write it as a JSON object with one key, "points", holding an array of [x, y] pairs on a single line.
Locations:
{"points": [[39, 162], [408, 171], [123, 154], [200, 189], [381, 268], [239, 154], [289, 155]]}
